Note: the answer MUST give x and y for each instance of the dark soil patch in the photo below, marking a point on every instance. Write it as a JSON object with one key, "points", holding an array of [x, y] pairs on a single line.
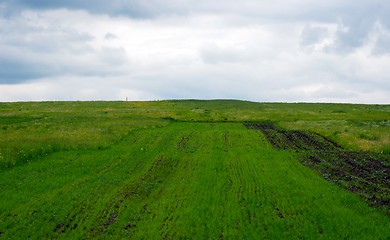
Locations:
{"points": [[58, 227], [110, 220], [294, 139], [364, 173], [65, 226], [128, 226], [280, 215]]}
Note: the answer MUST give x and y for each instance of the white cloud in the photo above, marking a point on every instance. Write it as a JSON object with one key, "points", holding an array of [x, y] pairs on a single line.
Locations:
{"points": [[259, 51]]}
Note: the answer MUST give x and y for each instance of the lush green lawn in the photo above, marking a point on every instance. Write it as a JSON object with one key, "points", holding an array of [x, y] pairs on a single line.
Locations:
{"points": [[131, 169]]}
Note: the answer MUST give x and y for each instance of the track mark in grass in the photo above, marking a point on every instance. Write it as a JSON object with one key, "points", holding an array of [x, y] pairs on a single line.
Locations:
{"points": [[183, 142], [65, 226], [140, 189], [280, 215], [111, 220], [170, 220], [221, 235], [59, 227], [226, 144], [362, 173]]}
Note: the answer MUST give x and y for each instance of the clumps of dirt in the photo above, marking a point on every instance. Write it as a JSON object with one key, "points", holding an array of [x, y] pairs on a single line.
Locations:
{"points": [[129, 225], [293, 139], [110, 220], [58, 227], [63, 227], [363, 173], [280, 215]]}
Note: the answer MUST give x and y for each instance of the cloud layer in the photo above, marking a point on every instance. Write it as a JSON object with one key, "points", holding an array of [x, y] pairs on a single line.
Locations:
{"points": [[144, 50]]}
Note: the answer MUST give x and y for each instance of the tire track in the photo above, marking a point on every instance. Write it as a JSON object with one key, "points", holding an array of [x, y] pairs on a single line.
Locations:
{"points": [[142, 188]]}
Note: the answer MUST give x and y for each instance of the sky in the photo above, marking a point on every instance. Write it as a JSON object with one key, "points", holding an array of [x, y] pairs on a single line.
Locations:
{"points": [[256, 50]]}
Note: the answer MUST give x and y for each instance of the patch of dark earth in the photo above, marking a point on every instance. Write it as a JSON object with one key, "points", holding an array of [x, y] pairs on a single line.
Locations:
{"points": [[364, 173], [62, 227]]}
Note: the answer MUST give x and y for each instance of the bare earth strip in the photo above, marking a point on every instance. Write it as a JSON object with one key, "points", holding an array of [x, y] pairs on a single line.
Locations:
{"points": [[359, 172]]}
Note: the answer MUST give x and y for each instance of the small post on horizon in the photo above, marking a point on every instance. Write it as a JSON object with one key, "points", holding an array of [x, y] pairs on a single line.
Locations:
{"points": [[126, 99]]}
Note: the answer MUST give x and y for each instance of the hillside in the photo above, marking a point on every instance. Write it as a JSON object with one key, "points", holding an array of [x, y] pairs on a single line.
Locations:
{"points": [[186, 169]]}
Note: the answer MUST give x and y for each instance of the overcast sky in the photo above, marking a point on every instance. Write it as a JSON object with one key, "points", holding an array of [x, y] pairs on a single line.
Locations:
{"points": [[258, 50]]}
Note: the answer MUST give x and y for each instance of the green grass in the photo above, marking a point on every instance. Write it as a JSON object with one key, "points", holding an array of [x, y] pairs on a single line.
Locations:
{"points": [[177, 169]]}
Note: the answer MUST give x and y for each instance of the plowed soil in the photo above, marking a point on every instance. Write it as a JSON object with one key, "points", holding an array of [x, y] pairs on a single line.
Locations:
{"points": [[364, 173]]}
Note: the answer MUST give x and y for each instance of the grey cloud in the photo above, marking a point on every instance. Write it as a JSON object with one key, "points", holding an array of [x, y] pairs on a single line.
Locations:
{"points": [[25, 64], [381, 36], [132, 8], [30, 51], [357, 17], [312, 35], [22, 33], [358, 21], [354, 36], [299, 9], [382, 45], [14, 71], [110, 36], [113, 56]]}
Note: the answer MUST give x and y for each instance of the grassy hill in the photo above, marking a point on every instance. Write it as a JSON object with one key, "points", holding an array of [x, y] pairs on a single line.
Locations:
{"points": [[194, 169]]}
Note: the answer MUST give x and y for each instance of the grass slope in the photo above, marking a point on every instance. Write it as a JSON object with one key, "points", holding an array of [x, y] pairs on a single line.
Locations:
{"points": [[134, 172]]}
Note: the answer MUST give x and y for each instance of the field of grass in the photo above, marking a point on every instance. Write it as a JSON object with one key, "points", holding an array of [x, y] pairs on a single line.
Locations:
{"points": [[185, 170]]}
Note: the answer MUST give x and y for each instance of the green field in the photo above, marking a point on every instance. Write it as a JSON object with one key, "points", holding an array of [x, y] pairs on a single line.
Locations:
{"points": [[194, 170]]}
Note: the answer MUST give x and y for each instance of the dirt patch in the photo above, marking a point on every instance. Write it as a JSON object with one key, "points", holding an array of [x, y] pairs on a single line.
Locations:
{"points": [[129, 225], [58, 227], [294, 139], [359, 172], [65, 226], [280, 215], [363, 173], [110, 220]]}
